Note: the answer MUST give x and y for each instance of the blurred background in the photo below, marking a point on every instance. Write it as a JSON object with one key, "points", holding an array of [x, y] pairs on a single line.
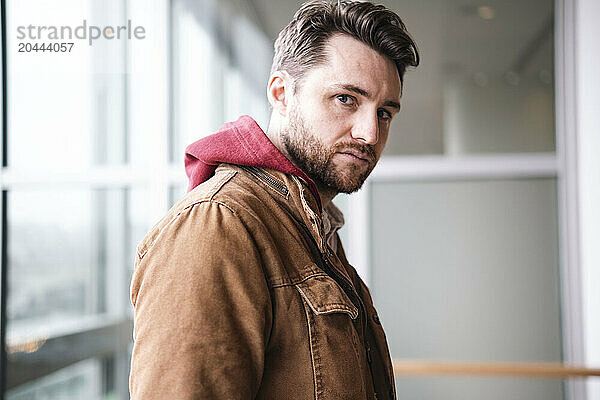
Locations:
{"points": [[478, 233]]}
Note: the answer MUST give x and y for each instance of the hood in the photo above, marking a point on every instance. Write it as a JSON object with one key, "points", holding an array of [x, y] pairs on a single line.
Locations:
{"points": [[242, 142]]}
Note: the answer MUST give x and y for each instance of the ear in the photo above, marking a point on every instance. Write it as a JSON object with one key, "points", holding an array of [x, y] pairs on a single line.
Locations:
{"points": [[279, 91]]}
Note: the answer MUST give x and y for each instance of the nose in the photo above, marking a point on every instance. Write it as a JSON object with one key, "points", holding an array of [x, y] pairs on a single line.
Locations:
{"points": [[366, 128]]}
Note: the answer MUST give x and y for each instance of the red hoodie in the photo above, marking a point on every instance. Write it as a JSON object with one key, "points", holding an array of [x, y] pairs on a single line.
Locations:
{"points": [[242, 142]]}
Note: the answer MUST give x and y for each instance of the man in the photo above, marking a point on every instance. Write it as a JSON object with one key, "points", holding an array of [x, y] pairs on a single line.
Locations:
{"points": [[243, 290]]}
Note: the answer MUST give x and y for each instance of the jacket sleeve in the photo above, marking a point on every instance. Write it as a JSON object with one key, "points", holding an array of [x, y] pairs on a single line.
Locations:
{"points": [[202, 310]]}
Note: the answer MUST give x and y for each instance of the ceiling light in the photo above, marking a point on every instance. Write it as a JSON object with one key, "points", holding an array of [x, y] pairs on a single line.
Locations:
{"points": [[486, 12]]}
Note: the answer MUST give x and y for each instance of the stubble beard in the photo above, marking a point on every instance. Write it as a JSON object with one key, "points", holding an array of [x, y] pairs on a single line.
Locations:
{"points": [[315, 159]]}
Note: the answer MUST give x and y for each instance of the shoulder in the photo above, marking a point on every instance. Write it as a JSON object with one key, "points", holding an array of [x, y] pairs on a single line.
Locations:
{"points": [[230, 200]]}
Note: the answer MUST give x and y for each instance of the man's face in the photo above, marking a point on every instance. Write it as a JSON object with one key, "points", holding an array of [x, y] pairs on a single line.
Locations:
{"points": [[339, 117]]}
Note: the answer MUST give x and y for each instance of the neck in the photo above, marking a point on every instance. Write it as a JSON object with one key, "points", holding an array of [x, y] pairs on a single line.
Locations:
{"points": [[326, 195], [275, 138]]}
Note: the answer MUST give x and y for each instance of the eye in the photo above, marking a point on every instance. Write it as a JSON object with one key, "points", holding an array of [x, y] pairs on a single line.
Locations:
{"points": [[384, 114], [346, 99]]}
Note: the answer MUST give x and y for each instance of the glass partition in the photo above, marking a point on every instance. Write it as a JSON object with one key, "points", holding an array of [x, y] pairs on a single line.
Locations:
{"points": [[68, 282], [486, 80], [70, 114], [467, 271]]}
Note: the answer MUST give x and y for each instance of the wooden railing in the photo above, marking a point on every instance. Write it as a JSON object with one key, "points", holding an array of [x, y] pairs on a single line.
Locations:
{"points": [[535, 370]]}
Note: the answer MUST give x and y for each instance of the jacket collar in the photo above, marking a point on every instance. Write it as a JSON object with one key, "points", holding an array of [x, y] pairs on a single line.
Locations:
{"points": [[303, 204]]}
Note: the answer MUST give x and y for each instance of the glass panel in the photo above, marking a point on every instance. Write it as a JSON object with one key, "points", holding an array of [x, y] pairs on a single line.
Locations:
{"points": [[91, 379], [176, 192], [66, 107], [468, 271], [79, 381], [67, 277], [486, 81], [138, 210], [54, 258], [248, 74], [217, 75], [197, 73]]}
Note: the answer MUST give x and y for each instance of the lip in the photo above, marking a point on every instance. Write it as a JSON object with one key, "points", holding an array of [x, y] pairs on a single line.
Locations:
{"points": [[356, 156]]}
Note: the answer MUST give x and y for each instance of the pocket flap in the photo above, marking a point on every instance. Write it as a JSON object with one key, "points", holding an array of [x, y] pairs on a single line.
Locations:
{"points": [[325, 296]]}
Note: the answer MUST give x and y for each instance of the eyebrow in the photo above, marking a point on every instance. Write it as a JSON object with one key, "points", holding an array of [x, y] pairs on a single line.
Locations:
{"points": [[365, 93]]}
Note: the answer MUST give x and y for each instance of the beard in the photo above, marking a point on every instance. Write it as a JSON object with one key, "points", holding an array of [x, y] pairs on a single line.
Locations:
{"points": [[306, 149]]}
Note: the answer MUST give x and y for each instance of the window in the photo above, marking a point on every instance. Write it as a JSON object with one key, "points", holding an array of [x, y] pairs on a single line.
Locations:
{"points": [[68, 221], [96, 138]]}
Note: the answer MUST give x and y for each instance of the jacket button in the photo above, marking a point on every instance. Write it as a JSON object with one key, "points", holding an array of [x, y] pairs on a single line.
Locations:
{"points": [[376, 319]]}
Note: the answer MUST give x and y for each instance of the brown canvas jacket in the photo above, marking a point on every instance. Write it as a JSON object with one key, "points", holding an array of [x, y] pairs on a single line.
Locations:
{"points": [[237, 296]]}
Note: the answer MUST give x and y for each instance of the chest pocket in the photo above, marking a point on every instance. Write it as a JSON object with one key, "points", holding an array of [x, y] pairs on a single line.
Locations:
{"points": [[324, 296], [338, 366]]}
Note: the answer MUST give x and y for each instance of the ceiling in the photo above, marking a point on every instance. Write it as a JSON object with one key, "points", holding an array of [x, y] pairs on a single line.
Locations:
{"points": [[453, 33], [498, 46]]}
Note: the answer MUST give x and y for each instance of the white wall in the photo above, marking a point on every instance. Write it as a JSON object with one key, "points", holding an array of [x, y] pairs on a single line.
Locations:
{"points": [[587, 32], [498, 117]]}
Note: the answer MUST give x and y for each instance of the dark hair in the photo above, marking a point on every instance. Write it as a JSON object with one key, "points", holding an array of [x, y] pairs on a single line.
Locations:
{"points": [[301, 44]]}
